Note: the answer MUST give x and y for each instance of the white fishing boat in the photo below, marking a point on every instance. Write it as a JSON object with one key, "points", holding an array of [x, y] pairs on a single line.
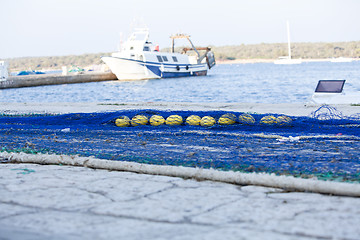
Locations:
{"points": [[140, 59], [288, 59]]}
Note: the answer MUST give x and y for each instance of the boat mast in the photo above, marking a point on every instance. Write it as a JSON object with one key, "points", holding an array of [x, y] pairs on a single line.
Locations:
{"points": [[172, 45], [288, 33]]}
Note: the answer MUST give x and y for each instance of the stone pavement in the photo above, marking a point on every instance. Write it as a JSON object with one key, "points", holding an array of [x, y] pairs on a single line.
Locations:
{"points": [[63, 202]]}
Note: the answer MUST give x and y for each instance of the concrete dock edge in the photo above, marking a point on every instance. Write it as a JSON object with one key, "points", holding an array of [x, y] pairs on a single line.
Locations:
{"points": [[54, 79]]}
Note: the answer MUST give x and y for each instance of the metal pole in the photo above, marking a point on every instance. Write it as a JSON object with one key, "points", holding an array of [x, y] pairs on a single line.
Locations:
{"points": [[288, 33]]}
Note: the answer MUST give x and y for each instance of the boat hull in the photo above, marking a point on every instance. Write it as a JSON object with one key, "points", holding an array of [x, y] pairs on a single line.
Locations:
{"points": [[288, 61], [128, 69]]}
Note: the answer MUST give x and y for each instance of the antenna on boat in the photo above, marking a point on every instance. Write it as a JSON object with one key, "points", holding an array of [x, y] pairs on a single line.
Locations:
{"points": [[120, 42], [288, 35]]}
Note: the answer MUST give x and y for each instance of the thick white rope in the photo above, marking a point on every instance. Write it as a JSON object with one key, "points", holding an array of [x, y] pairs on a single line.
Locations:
{"points": [[260, 179]]}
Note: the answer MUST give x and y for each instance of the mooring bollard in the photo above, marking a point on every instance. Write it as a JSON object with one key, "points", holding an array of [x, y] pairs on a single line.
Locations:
{"points": [[3, 71]]}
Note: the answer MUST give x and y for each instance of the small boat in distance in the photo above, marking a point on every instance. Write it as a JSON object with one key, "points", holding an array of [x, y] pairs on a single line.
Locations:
{"points": [[288, 59], [341, 59], [140, 59]]}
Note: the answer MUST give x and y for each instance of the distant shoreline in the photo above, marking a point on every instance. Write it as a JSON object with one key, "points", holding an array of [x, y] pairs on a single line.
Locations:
{"points": [[235, 61], [36, 63], [232, 54], [260, 60]]}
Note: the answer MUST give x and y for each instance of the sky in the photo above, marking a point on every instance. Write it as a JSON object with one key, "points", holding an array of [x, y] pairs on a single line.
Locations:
{"points": [[73, 27]]}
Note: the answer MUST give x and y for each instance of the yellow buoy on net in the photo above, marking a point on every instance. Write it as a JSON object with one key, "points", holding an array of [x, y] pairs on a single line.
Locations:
{"points": [[156, 120], [246, 119], [227, 119], [139, 120], [207, 121], [284, 120], [122, 121], [193, 120], [268, 120], [174, 120]]}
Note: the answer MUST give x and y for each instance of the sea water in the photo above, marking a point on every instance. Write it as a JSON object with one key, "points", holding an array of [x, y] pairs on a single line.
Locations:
{"points": [[252, 83]]}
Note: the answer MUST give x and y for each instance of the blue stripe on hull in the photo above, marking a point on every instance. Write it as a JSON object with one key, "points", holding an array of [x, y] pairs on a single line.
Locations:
{"points": [[175, 74], [157, 71], [159, 64]]}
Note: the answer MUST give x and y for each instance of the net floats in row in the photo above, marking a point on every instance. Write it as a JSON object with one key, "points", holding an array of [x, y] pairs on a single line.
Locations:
{"points": [[206, 121]]}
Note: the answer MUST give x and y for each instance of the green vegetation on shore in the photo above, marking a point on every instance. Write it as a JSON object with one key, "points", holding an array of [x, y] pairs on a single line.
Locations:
{"points": [[250, 51], [319, 50], [38, 63]]}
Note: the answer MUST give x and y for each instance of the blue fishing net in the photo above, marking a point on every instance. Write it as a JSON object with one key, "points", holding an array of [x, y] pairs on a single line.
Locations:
{"points": [[325, 145]]}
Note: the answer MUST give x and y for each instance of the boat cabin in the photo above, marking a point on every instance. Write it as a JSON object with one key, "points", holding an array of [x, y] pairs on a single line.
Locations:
{"points": [[138, 47]]}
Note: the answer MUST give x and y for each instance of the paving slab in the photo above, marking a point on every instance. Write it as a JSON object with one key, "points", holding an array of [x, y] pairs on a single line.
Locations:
{"points": [[66, 202]]}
